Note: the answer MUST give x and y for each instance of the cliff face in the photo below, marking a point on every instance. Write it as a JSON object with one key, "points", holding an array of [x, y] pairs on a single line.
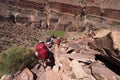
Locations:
{"points": [[65, 15], [65, 8], [70, 6], [104, 8]]}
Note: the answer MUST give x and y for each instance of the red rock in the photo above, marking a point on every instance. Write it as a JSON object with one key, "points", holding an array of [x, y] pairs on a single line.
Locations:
{"points": [[65, 8], [112, 13], [26, 74], [92, 10]]}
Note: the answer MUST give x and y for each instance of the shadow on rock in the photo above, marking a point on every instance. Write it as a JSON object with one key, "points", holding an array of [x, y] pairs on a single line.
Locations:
{"points": [[51, 63], [110, 65]]}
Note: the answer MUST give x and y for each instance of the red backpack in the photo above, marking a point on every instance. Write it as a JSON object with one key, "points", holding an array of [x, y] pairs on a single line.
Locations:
{"points": [[42, 50]]}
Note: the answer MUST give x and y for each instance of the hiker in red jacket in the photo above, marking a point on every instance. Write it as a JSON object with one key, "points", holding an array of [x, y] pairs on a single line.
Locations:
{"points": [[57, 41], [41, 51]]}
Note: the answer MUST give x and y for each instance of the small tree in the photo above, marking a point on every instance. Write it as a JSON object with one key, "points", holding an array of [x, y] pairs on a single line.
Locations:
{"points": [[14, 59]]}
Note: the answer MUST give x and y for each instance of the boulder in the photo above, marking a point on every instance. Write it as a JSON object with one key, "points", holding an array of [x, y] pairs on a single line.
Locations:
{"points": [[101, 72], [51, 75], [105, 42], [78, 70], [26, 74], [84, 56], [56, 68], [114, 36], [65, 68], [106, 45], [7, 77]]}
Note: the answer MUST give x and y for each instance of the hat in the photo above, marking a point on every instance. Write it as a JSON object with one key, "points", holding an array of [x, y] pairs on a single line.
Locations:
{"points": [[91, 30], [48, 43], [40, 41]]}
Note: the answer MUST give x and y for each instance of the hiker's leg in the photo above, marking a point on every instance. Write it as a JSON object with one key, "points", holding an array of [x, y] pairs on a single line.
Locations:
{"points": [[45, 63], [41, 66]]}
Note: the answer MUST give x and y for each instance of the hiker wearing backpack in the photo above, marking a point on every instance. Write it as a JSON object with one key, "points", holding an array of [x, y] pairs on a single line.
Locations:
{"points": [[49, 41], [42, 52]]}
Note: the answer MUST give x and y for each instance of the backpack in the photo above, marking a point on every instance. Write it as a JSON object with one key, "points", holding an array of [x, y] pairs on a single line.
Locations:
{"points": [[42, 51], [48, 39]]}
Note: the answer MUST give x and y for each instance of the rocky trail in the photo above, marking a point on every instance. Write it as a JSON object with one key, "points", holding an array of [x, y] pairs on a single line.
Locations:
{"points": [[74, 60]]}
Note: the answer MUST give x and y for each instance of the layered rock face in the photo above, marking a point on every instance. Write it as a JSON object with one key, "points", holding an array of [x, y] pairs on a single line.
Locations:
{"points": [[65, 15]]}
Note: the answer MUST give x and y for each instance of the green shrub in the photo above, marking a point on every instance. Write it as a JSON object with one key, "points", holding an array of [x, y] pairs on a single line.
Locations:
{"points": [[56, 33], [14, 59], [46, 0]]}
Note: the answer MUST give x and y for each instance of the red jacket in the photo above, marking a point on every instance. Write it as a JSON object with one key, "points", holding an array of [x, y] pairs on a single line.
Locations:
{"points": [[57, 41], [42, 51]]}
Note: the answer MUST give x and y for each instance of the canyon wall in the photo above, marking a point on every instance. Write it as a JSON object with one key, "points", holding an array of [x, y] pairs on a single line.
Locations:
{"points": [[65, 15]]}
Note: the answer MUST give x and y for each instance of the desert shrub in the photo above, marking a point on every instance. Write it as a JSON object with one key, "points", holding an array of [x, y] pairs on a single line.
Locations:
{"points": [[56, 33], [46, 0], [15, 58]]}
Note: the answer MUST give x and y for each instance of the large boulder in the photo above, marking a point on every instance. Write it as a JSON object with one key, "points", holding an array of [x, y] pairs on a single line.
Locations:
{"points": [[106, 45], [84, 56], [114, 36], [104, 42], [101, 72], [79, 71], [26, 74]]}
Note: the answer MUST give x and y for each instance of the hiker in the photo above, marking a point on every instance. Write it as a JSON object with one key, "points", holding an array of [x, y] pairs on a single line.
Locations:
{"points": [[50, 40], [57, 41], [91, 33], [42, 52]]}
